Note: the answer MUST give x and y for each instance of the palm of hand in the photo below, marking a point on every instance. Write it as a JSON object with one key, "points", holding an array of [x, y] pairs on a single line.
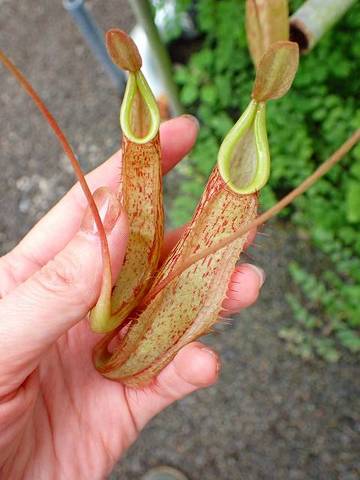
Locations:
{"points": [[73, 423], [82, 422]]}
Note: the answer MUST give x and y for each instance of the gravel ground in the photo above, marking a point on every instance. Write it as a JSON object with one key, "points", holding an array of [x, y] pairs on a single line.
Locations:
{"points": [[271, 416]]}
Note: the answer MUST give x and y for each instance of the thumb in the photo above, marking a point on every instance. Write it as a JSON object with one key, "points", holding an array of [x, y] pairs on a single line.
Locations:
{"points": [[195, 366], [40, 310]]}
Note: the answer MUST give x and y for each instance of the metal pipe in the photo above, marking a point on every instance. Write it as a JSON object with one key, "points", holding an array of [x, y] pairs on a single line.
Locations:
{"points": [[143, 13], [94, 38], [314, 18]]}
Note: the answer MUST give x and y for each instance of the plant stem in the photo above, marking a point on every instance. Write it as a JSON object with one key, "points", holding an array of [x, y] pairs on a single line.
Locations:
{"points": [[142, 10], [314, 18]]}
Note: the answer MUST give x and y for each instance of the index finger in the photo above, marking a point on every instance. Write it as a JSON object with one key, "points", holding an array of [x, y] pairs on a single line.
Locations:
{"points": [[58, 226]]}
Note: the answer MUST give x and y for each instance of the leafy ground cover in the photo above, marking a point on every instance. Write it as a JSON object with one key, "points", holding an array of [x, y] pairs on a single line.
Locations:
{"points": [[304, 128]]}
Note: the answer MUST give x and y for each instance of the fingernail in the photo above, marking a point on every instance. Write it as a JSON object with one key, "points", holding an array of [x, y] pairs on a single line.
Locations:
{"points": [[208, 351], [109, 210], [193, 119], [260, 272]]}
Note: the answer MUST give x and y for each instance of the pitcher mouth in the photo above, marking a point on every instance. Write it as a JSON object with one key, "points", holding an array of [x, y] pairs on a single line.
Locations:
{"points": [[244, 158], [139, 127]]}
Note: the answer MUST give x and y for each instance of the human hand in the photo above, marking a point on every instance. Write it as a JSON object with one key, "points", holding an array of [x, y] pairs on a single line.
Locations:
{"points": [[59, 418]]}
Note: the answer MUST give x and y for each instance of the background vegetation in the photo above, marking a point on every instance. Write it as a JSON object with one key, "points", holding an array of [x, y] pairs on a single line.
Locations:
{"points": [[305, 127]]}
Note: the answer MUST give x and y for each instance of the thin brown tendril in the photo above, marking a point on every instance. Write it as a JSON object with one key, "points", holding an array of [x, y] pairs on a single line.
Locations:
{"points": [[69, 153], [264, 217]]}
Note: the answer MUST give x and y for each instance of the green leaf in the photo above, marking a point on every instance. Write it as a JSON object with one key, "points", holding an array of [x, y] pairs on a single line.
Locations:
{"points": [[209, 94], [189, 94], [353, 202], [350, 340]]}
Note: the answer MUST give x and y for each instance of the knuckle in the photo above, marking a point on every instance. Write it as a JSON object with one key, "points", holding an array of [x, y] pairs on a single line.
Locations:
{"points": [[59, 276], [7, 277], [66, 277]]}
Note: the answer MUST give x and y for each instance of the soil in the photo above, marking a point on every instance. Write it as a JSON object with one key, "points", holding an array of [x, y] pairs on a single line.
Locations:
{"points": [[271, 415]]}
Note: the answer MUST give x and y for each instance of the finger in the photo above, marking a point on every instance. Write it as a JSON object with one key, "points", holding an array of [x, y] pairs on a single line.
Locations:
{"points": [[37, 312], [54, 230], [177, 139], [194, 367], [173, 236], [250, 238], [244, 288]]}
